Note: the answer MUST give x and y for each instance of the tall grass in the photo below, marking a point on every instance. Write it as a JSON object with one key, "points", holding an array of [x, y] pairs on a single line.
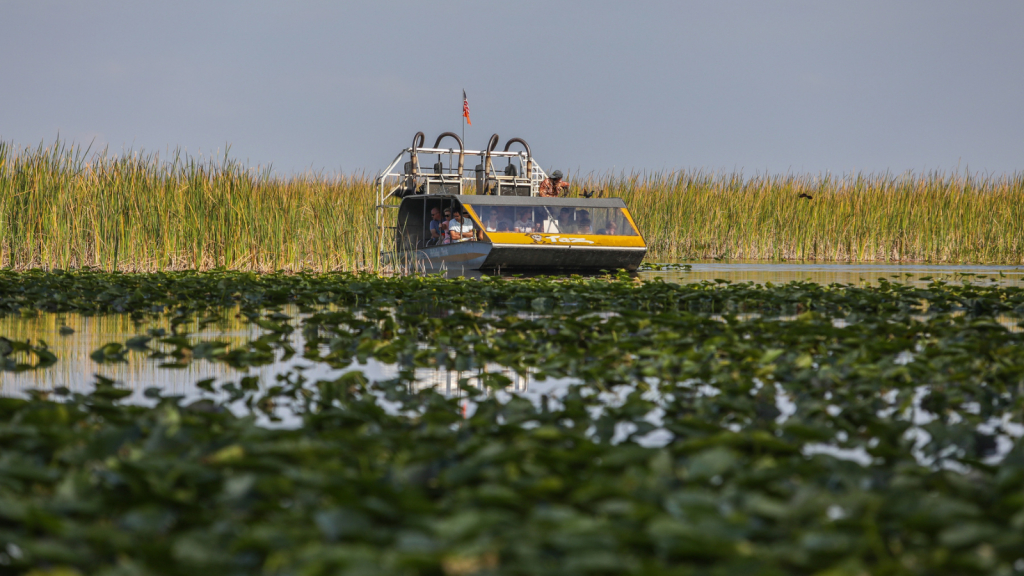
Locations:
{"points": [[948, 218], [63, 207]]}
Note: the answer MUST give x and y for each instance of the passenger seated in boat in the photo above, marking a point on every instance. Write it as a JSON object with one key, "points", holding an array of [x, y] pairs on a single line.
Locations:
{"points": [[505, 218], [610, 229], [436, 227], [504, 226], [563, 225], [565, 220], [460, 227], [445, 237], [584, 227], [491, 222], [525, 222]]}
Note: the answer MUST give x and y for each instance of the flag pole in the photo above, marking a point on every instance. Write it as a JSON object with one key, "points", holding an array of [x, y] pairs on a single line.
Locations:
{"points": [[465, 115]]}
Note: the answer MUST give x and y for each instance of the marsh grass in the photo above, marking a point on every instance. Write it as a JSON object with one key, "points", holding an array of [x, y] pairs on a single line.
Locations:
{"points": [[956, 218], [65, 207]]}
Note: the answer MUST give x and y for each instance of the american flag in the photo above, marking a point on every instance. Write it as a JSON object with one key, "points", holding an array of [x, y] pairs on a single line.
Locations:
{"points": [[465, 108]]}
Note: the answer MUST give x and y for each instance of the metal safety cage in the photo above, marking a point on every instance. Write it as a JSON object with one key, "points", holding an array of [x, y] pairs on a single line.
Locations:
{"points": [[448, 176]]}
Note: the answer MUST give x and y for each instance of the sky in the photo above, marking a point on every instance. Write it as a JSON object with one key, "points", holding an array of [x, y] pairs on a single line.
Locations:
{"points": [[757, 86]]}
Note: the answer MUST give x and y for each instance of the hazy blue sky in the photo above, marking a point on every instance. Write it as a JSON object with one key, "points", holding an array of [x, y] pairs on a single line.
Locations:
{"points": [[752, 85]]}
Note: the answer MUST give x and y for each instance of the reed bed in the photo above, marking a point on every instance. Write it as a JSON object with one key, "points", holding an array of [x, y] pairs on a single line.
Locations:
{"points": [[62, 207], [948, 218]]}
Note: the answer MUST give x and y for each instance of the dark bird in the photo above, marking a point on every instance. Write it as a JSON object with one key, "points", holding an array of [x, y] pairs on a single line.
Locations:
{"points": [[588, 194], [805, 195]]}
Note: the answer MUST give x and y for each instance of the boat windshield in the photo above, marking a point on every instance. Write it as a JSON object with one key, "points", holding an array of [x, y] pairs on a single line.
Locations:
{"points": [[556, 220]]}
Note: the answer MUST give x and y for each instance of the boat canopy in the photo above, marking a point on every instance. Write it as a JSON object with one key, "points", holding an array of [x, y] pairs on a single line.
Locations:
{"points": [[517, 220], [543, 201]]}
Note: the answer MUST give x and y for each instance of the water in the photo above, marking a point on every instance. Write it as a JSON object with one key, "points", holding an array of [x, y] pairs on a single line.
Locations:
{"points": [[763, 272], [77, 371]]}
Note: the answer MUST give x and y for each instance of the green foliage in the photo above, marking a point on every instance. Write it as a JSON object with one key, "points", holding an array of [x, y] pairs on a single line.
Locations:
{"points": [[61, 207], [383, 477], [186, 294], [33, 356], [853, 218]]}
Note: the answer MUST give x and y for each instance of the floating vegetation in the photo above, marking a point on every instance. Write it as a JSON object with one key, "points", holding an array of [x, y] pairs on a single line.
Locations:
{"points": [[10, 350], [185, 294], [61, 207], [705, 428]]}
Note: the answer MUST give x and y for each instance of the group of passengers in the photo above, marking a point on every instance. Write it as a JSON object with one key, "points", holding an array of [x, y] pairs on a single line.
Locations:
{"points": [[497, 220], [502, 219], [448, 226], [456, 226], [569, 221]]}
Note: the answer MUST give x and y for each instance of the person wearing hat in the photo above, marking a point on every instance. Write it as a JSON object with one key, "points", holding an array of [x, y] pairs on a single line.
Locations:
{"points": [[553, 186]]}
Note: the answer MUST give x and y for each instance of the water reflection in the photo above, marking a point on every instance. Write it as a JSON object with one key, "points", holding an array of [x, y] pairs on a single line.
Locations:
{"points": [[73, 338]]}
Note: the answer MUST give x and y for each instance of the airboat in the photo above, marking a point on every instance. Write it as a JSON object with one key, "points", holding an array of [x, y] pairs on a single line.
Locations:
{"points": [[513, 228]]}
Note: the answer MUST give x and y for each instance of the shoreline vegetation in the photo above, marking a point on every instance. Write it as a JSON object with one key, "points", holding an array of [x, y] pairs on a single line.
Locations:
{"points": [[63, 207]]}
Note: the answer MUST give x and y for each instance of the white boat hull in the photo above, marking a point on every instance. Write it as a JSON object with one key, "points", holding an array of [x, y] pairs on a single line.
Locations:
{"points": [[452, 258]]}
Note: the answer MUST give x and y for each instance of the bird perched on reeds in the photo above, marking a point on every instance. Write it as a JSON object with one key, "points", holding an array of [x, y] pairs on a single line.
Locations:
{"points": [[588, 193], [805, 195]]}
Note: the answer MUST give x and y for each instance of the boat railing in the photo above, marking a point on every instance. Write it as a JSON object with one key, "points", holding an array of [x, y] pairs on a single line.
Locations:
{"points": [[416, 176], [508, 182]]}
